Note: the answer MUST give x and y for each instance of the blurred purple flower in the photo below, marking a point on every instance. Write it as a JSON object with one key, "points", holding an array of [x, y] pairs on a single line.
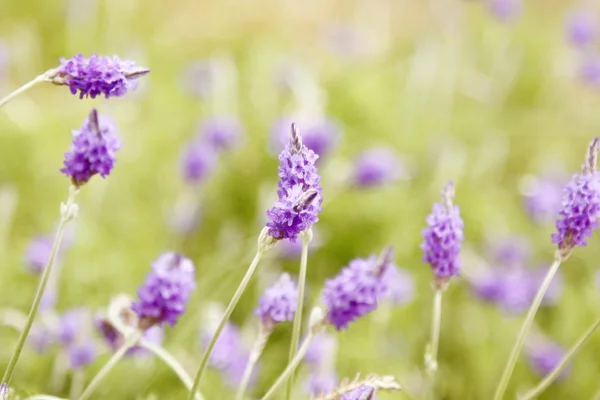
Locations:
{"points": [[197, 161], [3, 391], [377, 166], [320, 382], [581, 28], [164, 296], [505, 10], [93, 150], [322, 346], [222, 133], [319, 134], [509, 251], [37, 253], [113, 338], [361, 393], [544, 355], [198, 78], [354, 292], [581, 205], [82, 354], [400, 285], [49, 297], [71, 324], [543, 199], [40, 338], [278, 303], [443, 236], [589, 71], [97, 75], [299, 191]]}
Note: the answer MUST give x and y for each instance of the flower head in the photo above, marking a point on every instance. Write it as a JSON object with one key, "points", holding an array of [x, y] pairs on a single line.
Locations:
{"points": [[443, 236], [299, 191], [197, 161], [509, 251], [319, 134], [93, 150], [3, 391], [109, 332], [376, 167], [581, 206], [543, 199], [589, 71], [165, 294], [82, 354], [97, 75], [41, 338], [505, 10], [37, 253], [355, 291], [278, 303], [582, 28], [545, 355], [362, 393], [71, 324], [222, 133]]}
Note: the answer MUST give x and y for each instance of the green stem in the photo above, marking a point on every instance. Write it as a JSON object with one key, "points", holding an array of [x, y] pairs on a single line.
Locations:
{"points": [[535, 392], [65, 217], [172, 362], [112, 362], [431, 358], [516, 350], [263, 336], [24, 88], [291, 366], [297, 327], [232, 304]]}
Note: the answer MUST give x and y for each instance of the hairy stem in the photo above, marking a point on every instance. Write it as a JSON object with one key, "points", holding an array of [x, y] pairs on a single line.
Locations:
{"points": [[516, 350], [24, 88], [232, 304], [263, 336]]}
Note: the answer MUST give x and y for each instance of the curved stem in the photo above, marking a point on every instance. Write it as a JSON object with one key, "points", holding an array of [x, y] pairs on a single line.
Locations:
{"points": [[431, 357], [263, 336], [232, 304], [516, 350], [291, 366], [297, 328], [172, 362], [536, 391], [24, 88], [65, 217], [114, 360]]}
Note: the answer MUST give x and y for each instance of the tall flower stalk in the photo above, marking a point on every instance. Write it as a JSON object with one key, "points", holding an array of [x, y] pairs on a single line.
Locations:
{"points": [[441, 246], [577, 219], [68, 211], [295, 211]]}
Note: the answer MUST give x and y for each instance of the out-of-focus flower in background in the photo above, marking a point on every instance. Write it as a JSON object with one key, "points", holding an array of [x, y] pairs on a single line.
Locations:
{"points": [[378, 166], [505, 10], [581, 28], [319, 133]]}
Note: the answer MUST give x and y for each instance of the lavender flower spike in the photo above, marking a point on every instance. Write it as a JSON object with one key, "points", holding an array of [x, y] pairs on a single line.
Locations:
{"points": [[96, 75], [580, 207], [3, 391], [355, 292], [443, 236], [278, 303], [166, 292], [93, 151], [299, 191]]}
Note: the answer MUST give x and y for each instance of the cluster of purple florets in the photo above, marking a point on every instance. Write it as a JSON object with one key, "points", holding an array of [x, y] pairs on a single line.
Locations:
{"points": [[299, 191], [278, 303], [166, 292], [97, 75]]}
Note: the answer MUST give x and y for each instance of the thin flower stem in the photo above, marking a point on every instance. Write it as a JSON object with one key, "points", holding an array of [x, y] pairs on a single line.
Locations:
{"points": [[236, 297], [24, 88], [291, 366], [263, 336], [547, 381], [172, 362], [297, 327], [516, 350], [431, 357], [114, 360], [65, 217]]}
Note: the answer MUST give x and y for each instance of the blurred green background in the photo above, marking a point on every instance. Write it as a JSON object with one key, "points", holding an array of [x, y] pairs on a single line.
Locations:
{"points": [[457, 93]]}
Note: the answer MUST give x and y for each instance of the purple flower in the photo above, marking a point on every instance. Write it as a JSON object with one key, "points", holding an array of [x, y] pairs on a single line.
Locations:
{"points": [[443, 236], [376, 167], [581, 205], [582, 28], [40, 338], [509, 251], [278, 303], [222, 133], [322, 350], [93, 150], [3, 391], [320, 383], [400, 285], [71, 324], [166, 292], [82, 354], [109, 333], [543, 199], [544, 355], [355, 291], [505, 10], [197, 161], [589, 71], [299, 191], [319, 134], [37, 253], [97, 75], [361, 393]]}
